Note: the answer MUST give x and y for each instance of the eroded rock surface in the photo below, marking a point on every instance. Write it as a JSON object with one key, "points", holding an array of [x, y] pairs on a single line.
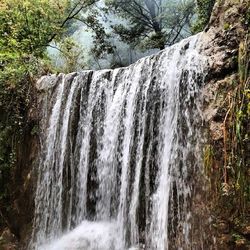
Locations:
{"points": [[227, 29]]}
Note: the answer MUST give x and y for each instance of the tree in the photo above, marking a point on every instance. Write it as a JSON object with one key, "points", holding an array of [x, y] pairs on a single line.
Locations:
{"points": [[27, 28], [101, 39], [203, 9], [71, 55], [151, 23]]}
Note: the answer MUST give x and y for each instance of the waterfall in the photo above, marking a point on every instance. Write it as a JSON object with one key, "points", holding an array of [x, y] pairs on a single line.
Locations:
{"points": [[121, 155]]}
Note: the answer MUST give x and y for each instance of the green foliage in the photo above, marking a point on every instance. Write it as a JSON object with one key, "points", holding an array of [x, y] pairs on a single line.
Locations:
{"points": [[233, 182], [208, 158], [226, 26], [240, 143], [15, 96], [247, 19], [203, 10], [27, 27], [71, 54], [151, 24], [102, 45]]}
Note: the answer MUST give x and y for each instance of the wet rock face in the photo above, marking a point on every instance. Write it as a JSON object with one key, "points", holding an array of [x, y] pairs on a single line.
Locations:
{"points": [[220, 43], [221, 40], [8, 240], [216, 94], [19, 213]]}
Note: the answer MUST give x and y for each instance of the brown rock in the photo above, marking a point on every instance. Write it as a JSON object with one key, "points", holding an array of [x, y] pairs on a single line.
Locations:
{"points": [[241, 244], [246, 230], [7, 236], [223, 227], [8, 247], [225, 239], [8, 240], [216, 129]]}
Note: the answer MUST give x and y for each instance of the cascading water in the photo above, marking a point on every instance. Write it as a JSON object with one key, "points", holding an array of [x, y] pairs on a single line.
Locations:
{"points": [[120, 155]]}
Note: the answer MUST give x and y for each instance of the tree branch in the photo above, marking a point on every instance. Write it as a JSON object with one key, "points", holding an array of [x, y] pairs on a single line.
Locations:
{"points": [[72, 14]]}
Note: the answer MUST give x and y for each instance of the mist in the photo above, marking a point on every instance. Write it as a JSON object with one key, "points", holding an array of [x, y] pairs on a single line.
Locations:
{"points": [[124, 54]]}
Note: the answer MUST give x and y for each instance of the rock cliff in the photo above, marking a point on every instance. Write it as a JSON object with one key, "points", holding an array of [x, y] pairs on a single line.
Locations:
{"points": [[226, 111], [226, 42]]}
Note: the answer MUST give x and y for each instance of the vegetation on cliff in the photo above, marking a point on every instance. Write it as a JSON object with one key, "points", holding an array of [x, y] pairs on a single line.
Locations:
{"points": [[28, 28], [226, 156], [204, 10]]}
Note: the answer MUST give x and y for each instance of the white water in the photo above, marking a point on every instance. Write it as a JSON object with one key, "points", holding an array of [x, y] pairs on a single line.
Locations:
{"points": [[120, 150], [88, 235]]}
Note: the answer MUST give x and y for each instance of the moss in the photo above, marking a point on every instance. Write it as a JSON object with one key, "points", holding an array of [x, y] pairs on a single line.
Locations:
{"points": [[228, 169], [227, 26], [35, 130], [208, 158], [204, 10]]}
